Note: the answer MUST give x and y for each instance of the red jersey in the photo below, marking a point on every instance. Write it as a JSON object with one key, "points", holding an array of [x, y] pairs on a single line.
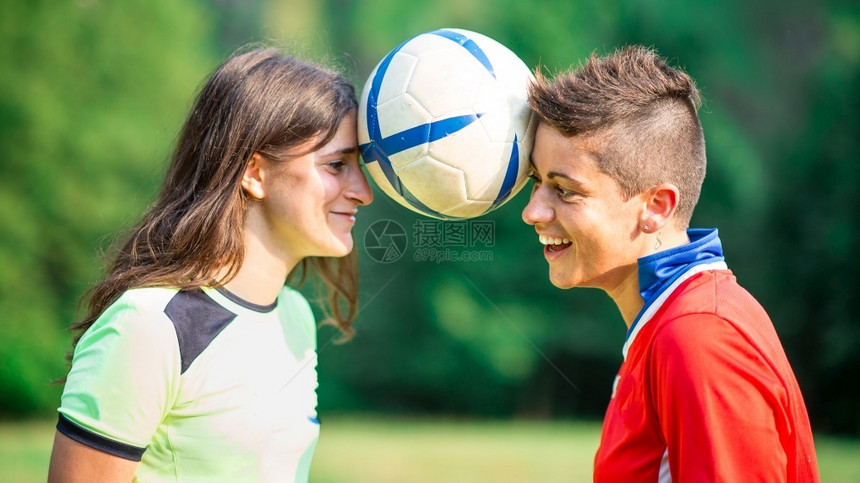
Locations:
{"points": [[705, 392]]}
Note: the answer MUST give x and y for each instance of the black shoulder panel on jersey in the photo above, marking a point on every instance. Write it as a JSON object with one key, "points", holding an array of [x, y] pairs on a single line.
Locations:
{"points": [[198, 320]]}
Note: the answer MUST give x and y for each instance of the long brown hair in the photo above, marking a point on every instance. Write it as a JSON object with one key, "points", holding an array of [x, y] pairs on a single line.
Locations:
{"points": [[256, 101]]}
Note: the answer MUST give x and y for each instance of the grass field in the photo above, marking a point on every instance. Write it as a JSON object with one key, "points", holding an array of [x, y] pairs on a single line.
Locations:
{"points": [[357, 450]]}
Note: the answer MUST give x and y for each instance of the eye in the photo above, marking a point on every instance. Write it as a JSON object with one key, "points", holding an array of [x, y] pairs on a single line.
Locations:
{"points": [[335, 166], [565, 195]]}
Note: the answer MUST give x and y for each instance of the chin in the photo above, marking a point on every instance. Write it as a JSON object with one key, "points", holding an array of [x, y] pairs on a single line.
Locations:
{"points": [[561, 282], [336, 248], [343, 247], [563, 285]]}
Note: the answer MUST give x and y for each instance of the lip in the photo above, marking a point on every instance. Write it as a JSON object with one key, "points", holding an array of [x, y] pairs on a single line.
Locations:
{"points": [[554, 255], [348, 216]]}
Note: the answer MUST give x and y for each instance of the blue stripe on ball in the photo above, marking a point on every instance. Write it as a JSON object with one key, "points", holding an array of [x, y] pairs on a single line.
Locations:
{"points": [[469, 45], [510, 175], [425, 133]]}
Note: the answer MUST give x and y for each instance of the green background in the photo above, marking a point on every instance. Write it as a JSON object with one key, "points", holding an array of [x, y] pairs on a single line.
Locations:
{"points": [[92, 94]]}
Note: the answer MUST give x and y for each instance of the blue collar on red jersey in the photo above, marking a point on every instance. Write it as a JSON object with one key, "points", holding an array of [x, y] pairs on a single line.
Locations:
{"points": [[660, 271]]}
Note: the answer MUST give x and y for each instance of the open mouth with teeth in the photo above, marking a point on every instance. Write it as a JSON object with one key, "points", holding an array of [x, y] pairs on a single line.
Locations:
{"points": [[554, 244]]}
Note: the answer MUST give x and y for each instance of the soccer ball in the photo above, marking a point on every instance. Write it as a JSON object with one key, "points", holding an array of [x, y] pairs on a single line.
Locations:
{"points": [[444, 124]]}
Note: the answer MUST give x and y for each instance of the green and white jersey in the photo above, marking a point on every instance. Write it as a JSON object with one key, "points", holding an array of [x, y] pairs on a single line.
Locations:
{"points": [[198, 385]]}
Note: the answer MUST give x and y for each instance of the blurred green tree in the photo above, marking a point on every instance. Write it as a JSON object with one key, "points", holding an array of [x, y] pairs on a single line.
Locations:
{"points": [[91, 95]]}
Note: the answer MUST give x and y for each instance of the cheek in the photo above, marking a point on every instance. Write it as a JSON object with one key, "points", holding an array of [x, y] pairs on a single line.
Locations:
{"points": [[596, 241], [331, 187], [312, 192]]}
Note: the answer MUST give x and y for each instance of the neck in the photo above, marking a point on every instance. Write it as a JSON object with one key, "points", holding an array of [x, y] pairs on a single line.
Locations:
{"points": [[627, 298], [264, 269], [626, 294], [664, 240]]}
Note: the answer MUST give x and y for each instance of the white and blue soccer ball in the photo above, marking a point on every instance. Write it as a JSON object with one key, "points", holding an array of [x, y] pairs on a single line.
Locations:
{"points": [[444, 124]]}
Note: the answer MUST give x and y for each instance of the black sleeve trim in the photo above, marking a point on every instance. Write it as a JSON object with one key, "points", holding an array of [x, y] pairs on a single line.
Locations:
{"points": [[97, 441]]}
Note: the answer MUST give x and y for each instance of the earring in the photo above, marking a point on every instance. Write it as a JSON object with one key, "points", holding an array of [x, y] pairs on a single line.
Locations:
{"points": [[645, 227]]}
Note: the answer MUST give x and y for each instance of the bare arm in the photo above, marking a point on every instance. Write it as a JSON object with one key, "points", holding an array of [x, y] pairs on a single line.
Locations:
{"points": [[72, 462]]}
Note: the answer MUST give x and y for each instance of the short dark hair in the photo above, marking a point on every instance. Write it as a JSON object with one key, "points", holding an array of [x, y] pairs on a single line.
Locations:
{"points": [[641, 112]]}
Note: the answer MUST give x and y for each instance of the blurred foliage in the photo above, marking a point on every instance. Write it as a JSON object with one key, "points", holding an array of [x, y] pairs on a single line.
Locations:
{"points": [[92, 94]]}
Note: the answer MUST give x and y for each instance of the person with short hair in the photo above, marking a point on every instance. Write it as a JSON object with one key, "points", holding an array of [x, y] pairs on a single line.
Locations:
{"points": [[195, 362], [705, 391]]}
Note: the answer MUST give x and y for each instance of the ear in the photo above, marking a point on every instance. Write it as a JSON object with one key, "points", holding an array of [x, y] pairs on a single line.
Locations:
{"points": [[252, 178], [660, 203]]}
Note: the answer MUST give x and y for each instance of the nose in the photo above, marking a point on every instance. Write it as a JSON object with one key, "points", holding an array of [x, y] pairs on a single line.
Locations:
{"points": [[537, 210], [359, 189]]}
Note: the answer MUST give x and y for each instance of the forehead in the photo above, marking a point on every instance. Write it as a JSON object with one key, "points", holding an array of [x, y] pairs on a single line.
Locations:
{"points": [[347, 132], [553, 151], [345, 139]]}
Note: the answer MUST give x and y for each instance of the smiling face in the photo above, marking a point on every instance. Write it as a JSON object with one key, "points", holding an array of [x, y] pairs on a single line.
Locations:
{"points": [[309, 201], [589, 231]]}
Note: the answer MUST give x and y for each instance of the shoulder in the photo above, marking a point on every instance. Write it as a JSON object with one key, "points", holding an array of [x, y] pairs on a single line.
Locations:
{"points": [[707, 358], [707, 352], [714, 292], [150, 300], [712, 312], [125, 372], [137, 315], [149, 296], [291, 300], [296, 312], [693, 335], [132, 333]]}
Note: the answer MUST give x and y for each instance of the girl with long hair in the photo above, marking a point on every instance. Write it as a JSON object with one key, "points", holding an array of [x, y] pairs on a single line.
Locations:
{"points": [[194, 359]]}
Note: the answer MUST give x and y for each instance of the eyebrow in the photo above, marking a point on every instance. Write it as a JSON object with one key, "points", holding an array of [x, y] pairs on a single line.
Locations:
{"points": [[556, 174], [347, 150]]}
